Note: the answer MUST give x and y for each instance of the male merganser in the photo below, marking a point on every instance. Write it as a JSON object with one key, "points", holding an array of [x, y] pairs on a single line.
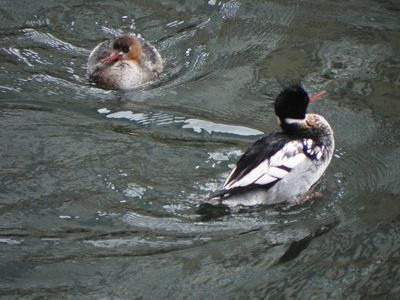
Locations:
{"points": [[282, 166], [124, 63]]}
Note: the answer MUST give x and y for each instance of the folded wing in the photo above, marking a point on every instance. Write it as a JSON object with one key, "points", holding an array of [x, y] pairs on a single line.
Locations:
{"points": [[270, 169]]}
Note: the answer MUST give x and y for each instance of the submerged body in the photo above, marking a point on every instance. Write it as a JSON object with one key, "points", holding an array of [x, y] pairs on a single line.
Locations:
{"points": [[124, 63], [283, 166]]}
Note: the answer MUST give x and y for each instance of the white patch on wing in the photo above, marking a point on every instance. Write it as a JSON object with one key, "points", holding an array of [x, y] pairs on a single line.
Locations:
{"points": [[291, 148], [277, 172], [291, 162], [265, 179], [269, 170], [251, 177], [273, 174], [289, 156]]}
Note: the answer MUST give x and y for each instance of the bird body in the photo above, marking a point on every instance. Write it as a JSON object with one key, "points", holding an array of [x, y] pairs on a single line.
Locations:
{"points": [[124, 63], [282, 166]]}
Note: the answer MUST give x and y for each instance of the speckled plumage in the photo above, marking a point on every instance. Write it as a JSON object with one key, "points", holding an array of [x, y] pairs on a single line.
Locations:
{"points": [[123, 74]]}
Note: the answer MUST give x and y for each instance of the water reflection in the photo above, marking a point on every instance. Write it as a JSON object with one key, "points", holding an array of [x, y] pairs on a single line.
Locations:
{"points": [[196, 125]]}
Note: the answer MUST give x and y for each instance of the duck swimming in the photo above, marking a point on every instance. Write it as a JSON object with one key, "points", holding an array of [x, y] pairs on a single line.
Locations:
{"points": [[124, 63], [282, 166]]}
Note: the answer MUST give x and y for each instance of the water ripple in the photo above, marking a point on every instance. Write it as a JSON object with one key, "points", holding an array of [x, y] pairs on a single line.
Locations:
{"points": [[107, 185], [49, 40]]}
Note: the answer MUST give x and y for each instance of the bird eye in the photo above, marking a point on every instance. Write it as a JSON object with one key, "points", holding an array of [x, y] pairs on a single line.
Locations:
{"points": [[125, 49]]}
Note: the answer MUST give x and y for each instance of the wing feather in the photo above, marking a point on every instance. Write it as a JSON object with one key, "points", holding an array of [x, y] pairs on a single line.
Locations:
{"points": [[271, 169], [250, 177]]}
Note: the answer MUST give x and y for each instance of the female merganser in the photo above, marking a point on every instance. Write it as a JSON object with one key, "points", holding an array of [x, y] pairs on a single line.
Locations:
{"points": [[282, 166], [124, 63]]}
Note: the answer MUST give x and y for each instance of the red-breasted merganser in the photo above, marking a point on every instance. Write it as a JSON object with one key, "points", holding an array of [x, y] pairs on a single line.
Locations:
{"points": [[124, 63], [282, 166]]}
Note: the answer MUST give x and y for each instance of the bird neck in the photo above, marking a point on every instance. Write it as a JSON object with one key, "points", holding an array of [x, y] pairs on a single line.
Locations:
{"points": [[136, 51], [294, 126]]}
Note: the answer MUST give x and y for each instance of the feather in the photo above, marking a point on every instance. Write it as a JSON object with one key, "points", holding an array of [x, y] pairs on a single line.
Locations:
{"points": [[270, 170]]}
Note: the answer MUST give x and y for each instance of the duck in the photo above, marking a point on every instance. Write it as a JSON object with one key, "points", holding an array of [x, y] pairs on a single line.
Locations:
{"points": [[281, 167], [123, 63]]}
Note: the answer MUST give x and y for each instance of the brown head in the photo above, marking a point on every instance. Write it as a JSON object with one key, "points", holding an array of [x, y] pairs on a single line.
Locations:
{"points": [[125, 47]]}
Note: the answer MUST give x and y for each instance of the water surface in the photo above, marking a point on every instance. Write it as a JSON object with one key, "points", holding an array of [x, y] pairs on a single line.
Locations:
{"points": [[99, 190]]}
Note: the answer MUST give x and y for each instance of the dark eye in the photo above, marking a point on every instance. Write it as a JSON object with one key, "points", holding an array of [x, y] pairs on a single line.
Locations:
{"points": [[125, 49]]}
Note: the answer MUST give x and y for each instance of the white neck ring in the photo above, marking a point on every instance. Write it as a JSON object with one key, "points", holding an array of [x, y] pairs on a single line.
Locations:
{"points": [[295, 121]]}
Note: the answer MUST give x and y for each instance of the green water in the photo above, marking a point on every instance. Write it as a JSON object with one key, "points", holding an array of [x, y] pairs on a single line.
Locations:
{"points": [[99, 190]]}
